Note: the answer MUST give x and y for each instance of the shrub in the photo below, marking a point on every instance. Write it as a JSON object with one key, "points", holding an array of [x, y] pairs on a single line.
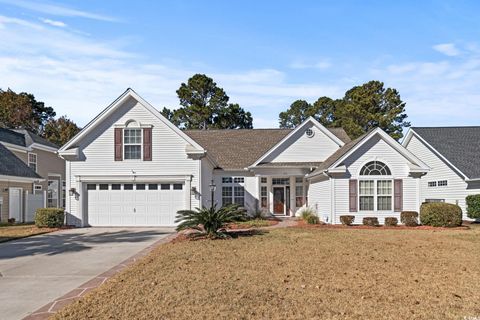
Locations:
{"points": [[347, 220], [210, 221], [391, 221], [312, 219], [11, 220], [306, 212], [370, 221], [473, 206], [440, 214], [409, 218], [49, 217]]}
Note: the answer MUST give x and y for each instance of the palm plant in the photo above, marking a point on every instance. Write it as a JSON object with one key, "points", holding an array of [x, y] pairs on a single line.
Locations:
{"points": [[210, 221]]}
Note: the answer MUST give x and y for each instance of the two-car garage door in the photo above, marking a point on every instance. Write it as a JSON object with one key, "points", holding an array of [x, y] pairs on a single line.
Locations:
{"points": [[134, 204]]}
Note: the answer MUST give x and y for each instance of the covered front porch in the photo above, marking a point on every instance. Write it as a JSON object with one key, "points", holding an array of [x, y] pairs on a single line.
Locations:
{"points": [[282, 188]]}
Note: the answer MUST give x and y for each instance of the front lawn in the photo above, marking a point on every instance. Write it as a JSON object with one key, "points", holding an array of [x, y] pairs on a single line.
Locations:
{"points": [[299, 273], [12, 232]]}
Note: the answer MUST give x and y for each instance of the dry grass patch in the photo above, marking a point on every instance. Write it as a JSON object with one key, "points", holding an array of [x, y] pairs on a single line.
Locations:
{"points": [[299, 273], [13, 232]]}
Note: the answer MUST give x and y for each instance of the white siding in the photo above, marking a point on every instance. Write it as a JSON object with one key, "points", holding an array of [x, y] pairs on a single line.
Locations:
{"points": [[374, 149], [319, 197], [300, 148], [455, 192], [97, 153]]}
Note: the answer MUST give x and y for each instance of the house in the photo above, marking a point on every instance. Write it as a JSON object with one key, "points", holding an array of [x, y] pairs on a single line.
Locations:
{"points": [[15, 178], [453, 154], [130, 166], [41, 156]]}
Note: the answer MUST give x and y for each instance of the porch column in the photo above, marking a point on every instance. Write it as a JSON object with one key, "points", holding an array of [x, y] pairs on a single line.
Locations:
{"points": [[293, 208], [270, 194]]}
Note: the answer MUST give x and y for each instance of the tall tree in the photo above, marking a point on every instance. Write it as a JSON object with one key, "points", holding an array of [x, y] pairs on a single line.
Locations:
{"points": [[362, 108], [205, 106], [369, 106], [22, 110], [60, 131]]}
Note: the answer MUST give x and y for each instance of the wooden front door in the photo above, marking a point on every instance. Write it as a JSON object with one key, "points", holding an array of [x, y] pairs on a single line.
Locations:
{"points": [[279, 200]]}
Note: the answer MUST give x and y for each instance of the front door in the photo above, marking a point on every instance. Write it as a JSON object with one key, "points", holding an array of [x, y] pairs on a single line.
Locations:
{"points": [[279, 200]]}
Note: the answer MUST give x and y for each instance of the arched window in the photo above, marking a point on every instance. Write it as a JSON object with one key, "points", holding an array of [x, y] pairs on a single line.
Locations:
{"points": [[375, 168], [132, 141]]}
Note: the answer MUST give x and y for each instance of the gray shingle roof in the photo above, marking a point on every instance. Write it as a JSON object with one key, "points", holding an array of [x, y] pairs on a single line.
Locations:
{"points": [[460, 145], [12, 137], [239, 148], [35, 138], [11, 165]]}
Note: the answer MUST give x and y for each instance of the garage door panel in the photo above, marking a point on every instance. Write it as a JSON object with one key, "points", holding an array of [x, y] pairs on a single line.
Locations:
{"points": [[134, 207]]}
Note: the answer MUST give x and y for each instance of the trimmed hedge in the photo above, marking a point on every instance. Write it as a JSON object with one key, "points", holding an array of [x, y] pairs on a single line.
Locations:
{"points": [[391, 221], [370, 221], [409, 218], [473, 206], [49, 217], [347, 220], [440, 214]]}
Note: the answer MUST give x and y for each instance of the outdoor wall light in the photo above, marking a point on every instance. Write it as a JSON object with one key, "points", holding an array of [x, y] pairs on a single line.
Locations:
{"points": [[72, 192]]}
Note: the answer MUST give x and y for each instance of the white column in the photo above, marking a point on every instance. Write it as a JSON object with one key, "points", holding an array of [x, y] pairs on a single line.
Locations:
{"points": [[270, 194], [188, 193], [293, 206]]}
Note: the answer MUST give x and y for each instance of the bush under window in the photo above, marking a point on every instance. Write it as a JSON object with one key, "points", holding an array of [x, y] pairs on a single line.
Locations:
{"points": [[473, 206], [440, 214], [409, 218], [391, 221], [49, 217], [347, 220], [370, 221]]}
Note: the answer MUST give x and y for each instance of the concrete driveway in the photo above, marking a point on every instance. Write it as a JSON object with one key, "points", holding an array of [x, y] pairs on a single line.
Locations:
{"points": [[36, 270]]}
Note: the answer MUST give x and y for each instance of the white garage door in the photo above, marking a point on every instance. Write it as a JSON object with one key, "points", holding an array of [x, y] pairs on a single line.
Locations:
{"points": [[129, 204]]}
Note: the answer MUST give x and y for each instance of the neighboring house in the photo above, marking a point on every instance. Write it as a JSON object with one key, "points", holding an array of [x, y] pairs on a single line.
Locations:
{"points": [[453, 154], [16, 178], [42, 157], [130, 166]]}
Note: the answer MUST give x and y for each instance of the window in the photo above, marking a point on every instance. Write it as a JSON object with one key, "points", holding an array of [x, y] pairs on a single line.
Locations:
{"points": [[309, 133], [375, 168], [132, 140], [128, 186], [375, 195], [37, 189], [52, 193], [442, 183], [103, 186], [299, 196], [165, 186], [177, 186], [140, 186], [153, 186], [32, 161], [115, 186], [227, 195], [89, 186], [227, 179], [263, 197], [299, 180], [64, 193], [284, 181], [263, 180], [432, 183], [366, 194], [232, 192]]}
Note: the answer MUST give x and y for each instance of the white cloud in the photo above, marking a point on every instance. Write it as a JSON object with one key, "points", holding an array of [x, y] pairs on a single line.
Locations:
{"points": [[57, 10], [54, 23], [320, 65], [448, 49]]}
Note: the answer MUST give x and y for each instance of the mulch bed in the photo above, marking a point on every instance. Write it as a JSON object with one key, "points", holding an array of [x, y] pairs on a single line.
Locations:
{"points": [[303, 224]]}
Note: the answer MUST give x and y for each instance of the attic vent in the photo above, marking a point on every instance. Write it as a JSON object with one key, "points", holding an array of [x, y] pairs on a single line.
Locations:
{"points": [[310, 133]]}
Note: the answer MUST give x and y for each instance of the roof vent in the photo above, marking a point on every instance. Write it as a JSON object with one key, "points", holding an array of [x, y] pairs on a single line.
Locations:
{"points": [[310, 133]]}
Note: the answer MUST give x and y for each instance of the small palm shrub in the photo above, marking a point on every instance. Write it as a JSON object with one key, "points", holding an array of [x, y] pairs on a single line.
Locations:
{"points": [[210, 221], [473, 206], [440, 214], [370, 221], [347, 220], [391, 221], [49, 217], [409, 218]]}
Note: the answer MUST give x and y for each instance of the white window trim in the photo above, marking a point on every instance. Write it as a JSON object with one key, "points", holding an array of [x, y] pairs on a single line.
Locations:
{"points": [[232, 185], [132, 144], [375, 195], [36, 160]]}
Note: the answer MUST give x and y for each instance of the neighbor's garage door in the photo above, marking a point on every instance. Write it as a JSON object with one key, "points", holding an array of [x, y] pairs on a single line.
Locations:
{"points": [[129, 204]]}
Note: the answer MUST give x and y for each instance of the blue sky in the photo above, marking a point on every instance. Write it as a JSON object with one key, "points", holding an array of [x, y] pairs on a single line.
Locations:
{"points": [[79, 56]]}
